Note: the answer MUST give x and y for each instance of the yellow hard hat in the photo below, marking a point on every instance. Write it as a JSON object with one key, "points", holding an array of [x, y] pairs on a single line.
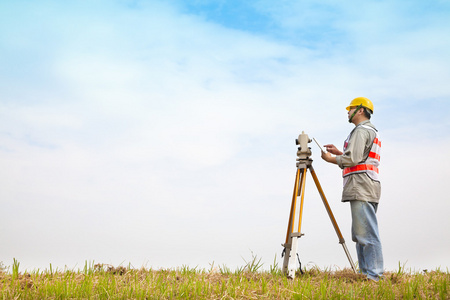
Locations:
{"points": [[364, 102]]}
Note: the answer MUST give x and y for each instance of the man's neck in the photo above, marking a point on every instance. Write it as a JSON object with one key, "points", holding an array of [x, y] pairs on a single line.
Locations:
{"points": [[359, 120]]}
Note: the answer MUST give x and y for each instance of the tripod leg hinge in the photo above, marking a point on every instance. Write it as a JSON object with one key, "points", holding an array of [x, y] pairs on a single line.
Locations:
{"points": [[297, 234]]}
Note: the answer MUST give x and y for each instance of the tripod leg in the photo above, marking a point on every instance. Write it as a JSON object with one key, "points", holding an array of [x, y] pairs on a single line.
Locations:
{"points": [[290, 247], [333, 220], [292, 263], [302, 194], [293, 205], [288, 244]]}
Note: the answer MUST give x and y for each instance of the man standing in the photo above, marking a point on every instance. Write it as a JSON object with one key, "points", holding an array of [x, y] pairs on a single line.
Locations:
{"points": [[359, 160]]}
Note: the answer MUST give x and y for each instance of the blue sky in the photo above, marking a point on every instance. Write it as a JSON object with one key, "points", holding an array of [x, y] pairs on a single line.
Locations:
{"points": [[160, 133]]}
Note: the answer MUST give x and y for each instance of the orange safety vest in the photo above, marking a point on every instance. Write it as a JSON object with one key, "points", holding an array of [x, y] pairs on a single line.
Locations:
{"points": [[370, 165]]}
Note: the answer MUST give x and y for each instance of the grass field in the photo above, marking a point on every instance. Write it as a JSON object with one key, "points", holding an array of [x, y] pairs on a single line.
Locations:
{"points": [[98, 281]]}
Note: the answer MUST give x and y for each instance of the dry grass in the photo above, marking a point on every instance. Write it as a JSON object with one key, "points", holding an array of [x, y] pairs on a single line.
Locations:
{"points": [[108, 282]]}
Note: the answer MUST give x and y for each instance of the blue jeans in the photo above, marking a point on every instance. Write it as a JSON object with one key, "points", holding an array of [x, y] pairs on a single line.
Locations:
{"points": [[365, 234]]}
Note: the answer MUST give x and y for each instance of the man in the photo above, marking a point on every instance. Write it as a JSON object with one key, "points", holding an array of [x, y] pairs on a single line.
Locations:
{"points": [[359, 160]]}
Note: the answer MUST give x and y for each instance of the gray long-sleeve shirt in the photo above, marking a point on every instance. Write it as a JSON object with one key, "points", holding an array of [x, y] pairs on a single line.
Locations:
{"points": [[359, 186]]}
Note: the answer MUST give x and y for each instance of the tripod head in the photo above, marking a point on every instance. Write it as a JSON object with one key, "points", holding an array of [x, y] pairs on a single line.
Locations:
{"points": [[304, 152]]}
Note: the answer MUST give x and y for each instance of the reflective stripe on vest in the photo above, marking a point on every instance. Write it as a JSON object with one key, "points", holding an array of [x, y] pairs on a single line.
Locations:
{"points": [[370, 165], [359, 168]]}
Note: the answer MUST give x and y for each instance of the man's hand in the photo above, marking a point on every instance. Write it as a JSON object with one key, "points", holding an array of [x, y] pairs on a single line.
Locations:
{"points": [[332, 149], [328, 158]]}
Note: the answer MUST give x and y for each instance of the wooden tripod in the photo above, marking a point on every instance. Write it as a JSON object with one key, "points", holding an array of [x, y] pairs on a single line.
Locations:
{"points": [[290, 246]]}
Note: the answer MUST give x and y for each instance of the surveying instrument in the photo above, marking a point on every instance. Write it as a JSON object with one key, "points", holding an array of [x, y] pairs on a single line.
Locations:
{"points": [[304, 162]]}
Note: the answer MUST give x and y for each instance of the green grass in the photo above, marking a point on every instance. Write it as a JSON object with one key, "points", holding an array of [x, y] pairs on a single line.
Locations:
{"points": [[248, 282]]}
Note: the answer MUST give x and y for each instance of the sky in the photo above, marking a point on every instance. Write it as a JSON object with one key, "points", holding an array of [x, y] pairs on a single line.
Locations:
{"points": [[161, 134]]}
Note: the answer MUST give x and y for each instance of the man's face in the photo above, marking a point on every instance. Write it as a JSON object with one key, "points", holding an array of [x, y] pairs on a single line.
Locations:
{"points": [[351, 111]]}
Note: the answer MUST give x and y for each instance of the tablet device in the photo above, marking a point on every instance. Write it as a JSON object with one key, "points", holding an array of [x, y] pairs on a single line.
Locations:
{"points": [[321, 148]]}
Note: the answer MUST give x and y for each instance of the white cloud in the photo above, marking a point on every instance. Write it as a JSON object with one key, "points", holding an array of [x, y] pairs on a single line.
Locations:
{"points": [[150, 130]]}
